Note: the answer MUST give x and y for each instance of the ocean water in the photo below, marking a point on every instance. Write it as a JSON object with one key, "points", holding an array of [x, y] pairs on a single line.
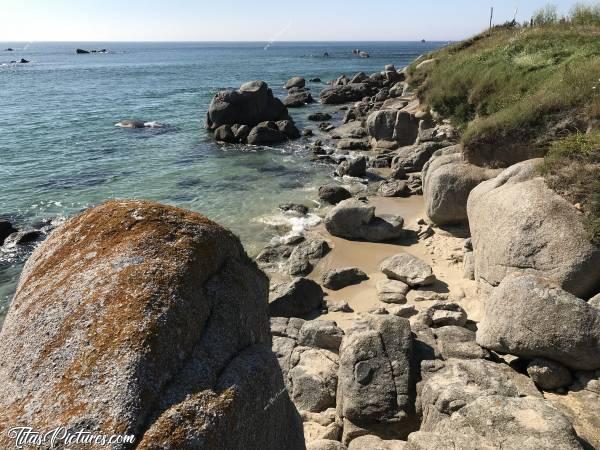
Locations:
{"points": [[60, 151]]}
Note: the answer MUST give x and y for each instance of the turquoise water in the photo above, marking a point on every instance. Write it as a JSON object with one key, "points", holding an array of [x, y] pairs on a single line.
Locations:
{"points": [[60, 151]]}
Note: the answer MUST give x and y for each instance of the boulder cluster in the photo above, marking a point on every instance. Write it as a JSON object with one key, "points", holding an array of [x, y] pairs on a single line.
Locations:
{"points": [[151, 320], [250, 115]]}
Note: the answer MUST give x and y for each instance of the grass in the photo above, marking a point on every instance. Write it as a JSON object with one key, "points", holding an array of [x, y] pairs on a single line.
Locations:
{"points": [[527, 88], [572, 168]]}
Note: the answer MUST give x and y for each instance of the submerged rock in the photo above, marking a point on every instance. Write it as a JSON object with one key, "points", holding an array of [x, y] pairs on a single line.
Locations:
{"points": [[180, 370]]}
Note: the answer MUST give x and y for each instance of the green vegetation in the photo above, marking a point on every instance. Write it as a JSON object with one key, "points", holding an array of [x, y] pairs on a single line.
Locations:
{"points": [[521, 90], [572, 168]]}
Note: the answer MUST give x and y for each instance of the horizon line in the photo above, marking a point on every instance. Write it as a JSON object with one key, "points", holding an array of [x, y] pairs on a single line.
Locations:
{"points": [[222, 41]]}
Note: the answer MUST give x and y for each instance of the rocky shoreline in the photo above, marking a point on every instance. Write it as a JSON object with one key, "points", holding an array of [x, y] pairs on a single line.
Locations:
{"points": [[439, 304]]}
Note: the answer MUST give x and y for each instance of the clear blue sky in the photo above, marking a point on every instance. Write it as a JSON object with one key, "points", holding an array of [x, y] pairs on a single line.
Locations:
{"points": [[258, 20]]}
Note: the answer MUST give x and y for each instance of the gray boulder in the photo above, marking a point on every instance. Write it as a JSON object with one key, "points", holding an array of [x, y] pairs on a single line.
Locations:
{"points": [[408, 269], [458, 342], [295, 299], [532, 317], [297, 99], [313, 378], [336, 279], [412, 158], [375, 376], [595, 301], [304, 256], [392, 291], [400, 127], [447, 183], [251, 104], [266, 133], [295, 82], [321, 334], [519, 225], [353, 167], [333, 194], [352, 219], [224, 133], [346, 93], [548, 375], [181, 370], [393, 188]]}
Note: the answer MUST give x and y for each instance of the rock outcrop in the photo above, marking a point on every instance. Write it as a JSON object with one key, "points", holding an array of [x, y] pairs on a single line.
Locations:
{"points": [[254, 105], [532, 317], [519, 225], [145, 319], [389, 125]]}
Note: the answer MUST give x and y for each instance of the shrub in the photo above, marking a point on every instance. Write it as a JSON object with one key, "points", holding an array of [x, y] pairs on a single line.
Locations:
{"points": [[546, 15], [572, 169], [583, 14]]}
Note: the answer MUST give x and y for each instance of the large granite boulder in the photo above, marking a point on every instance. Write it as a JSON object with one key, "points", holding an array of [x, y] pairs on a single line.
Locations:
{"points": [[145, 319], [251, 104], [447, 183], [375, 379], [352, 219], [532, 317], [351, 92], [313, 378], [519, 225]]}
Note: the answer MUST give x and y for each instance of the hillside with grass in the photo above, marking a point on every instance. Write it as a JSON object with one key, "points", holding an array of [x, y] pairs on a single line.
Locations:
{"points": [[521, 91]]}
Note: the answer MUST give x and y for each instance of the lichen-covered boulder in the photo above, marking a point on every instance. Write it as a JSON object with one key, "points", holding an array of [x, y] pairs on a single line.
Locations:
{"points": [[145, 319]]}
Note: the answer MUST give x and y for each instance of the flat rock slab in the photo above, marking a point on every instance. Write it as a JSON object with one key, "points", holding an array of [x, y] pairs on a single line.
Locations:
{"points": [[408, 269]]}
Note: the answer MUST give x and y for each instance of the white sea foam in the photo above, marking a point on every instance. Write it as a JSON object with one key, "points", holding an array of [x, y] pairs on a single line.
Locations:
{"points": [[288, 223]]}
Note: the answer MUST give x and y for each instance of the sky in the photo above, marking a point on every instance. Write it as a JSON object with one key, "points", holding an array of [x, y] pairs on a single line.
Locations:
{"points": [[257, 20]]}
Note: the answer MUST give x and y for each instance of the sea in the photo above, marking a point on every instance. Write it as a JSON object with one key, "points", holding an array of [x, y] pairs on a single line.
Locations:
{"points": [[60, 151]]}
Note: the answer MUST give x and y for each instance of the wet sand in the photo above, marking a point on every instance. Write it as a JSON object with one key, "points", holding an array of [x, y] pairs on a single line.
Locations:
{"points": [[440, 251]]}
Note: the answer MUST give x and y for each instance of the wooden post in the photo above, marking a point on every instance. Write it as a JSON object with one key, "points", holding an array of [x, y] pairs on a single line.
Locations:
{"points": [[491, 18]]}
